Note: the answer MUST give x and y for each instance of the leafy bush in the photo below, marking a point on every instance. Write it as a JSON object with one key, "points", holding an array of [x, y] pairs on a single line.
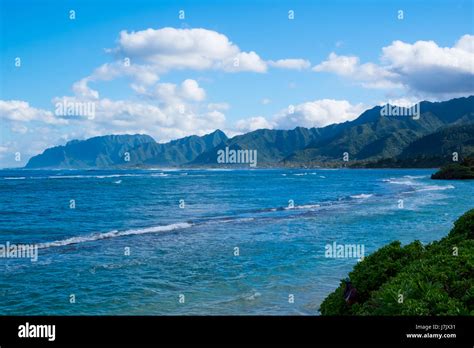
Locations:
{"points": [[464, 170], [412, 280]]}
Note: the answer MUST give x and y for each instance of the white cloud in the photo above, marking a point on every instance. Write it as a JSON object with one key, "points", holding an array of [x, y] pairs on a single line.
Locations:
{"points": [[421, 68], [369, 75], [266, 101], [253, 123], [19, 128], [295, 64], [403, 102], [218, 106], [21, 111], [82, 89], [170, 93], [144, 55], [140, 73], [142, 77], [424, 66], [341, 65], [318, 113], [190, 90], [197, 49]]}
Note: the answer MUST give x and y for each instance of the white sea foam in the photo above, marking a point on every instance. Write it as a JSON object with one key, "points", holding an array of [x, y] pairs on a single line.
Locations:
{"points": [[113, 234], [307, 206], [90, 176], [118, 182], [415, 176], [107, 176], [247, 219], [15, 178], [160, 174], [253, 296], [401, 182], [436, 188], [362, 196]]}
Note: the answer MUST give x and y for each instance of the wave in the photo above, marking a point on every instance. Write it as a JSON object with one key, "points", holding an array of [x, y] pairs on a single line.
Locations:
{"points": [[436, 188], [105, 176], [415, 176], [362, 196], [306, 173], [406, 180], [89, 176], [400, 182], [158, 229], [252, 296], [306, 206], [113, 234]]}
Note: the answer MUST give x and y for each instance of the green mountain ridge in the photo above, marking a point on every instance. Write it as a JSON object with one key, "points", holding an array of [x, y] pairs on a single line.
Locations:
{"points": [[372, 136], [370, 139], [433, 150], [111, 151]]}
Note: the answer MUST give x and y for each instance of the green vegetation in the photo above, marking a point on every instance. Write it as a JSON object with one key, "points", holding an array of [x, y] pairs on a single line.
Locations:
{"points": [[437, 279], [462, 171], [371, 140]]}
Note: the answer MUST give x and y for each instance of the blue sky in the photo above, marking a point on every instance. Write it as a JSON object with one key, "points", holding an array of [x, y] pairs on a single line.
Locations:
{"points": [[329, 63]]}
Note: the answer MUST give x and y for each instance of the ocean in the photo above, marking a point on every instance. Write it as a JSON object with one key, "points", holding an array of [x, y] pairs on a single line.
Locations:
{"points": [[205, 242]]}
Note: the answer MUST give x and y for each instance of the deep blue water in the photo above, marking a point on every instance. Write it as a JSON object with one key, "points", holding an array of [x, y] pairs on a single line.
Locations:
{"points": [[190, 250]]}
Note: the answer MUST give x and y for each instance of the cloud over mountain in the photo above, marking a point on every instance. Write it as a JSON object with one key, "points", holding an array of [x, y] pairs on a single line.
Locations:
{"points": [[422, 67]]}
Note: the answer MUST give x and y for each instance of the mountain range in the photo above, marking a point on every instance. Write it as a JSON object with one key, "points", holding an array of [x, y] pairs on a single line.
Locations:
{"points": [[369, 140]]}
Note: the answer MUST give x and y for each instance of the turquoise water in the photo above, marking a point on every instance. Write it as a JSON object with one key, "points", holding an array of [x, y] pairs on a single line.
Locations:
{"points": [[190, 250]]}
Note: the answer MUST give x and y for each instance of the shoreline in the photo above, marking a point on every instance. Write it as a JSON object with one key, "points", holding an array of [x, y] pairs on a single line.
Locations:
{"points": [[221, 168]]}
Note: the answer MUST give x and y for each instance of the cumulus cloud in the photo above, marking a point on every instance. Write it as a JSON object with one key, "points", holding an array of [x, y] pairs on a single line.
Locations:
{"points": [[142, 56], [142, 76], [36, 127], [294, 64], [146, 54], [368, 74], [174, 111], [318, 113], [82, 89], [425, 66], [197, 49], [422, 67], [218, 106], [341, 65], [170, 93], [190, 90], [21, 111], [253, 123], [164, 122]]}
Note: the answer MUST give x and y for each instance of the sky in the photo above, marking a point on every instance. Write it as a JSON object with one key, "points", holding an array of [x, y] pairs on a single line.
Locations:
{"points": [[83, 68]]}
